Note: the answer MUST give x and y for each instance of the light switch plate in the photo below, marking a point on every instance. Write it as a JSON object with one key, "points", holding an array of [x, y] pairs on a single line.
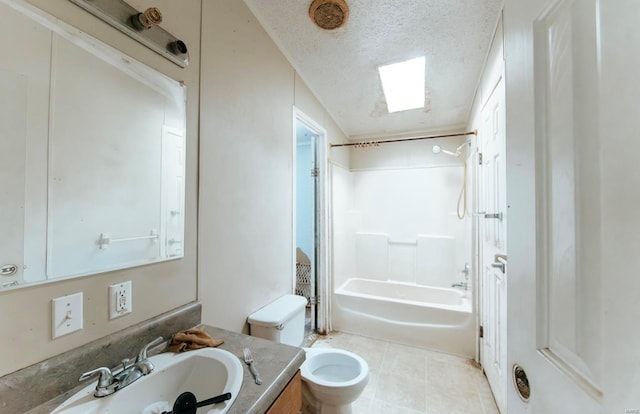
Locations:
{"points": [[120, 299], [67, 314]]}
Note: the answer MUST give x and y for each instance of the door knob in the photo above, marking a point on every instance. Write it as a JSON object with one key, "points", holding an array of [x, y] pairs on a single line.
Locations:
{"points": [[500, 262], [498, 265], [493, 216], [498, 216]]}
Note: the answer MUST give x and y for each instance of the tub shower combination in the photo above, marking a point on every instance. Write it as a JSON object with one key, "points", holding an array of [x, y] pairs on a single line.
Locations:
{"points": [[437, 318]]}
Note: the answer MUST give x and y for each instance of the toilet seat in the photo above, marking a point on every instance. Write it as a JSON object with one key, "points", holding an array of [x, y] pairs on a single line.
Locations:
{"points": [[334, 368], [331, 380]]}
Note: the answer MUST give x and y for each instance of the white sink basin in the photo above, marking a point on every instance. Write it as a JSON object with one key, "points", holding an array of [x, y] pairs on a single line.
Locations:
{"points": [[205, 372]]}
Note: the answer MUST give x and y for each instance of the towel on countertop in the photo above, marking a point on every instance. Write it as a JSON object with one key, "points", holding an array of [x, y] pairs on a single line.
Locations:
{"points": [[191, 339]]}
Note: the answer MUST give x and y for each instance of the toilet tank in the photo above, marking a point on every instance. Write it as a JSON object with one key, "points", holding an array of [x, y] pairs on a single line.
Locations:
{"points": [[281, 321]]}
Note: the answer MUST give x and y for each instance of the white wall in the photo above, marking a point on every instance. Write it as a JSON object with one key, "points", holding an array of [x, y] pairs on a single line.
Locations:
{"points": [[246, 257], [246, 175], [400, 192], [344, 225], [156, 288]]}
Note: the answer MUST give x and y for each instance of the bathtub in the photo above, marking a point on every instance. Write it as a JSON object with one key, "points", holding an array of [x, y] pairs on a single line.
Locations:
{"points": [[434, 318]]}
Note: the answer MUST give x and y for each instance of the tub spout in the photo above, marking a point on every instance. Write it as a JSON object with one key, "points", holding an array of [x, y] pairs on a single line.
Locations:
{"points": [[464, 285]]}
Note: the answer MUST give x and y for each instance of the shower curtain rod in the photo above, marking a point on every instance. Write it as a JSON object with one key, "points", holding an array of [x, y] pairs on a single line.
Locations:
{"points": [[364, 144]]}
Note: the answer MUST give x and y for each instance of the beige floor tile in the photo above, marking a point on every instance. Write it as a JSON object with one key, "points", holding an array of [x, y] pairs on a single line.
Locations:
{"points": [[408, 380], [381, 407], [371, 350], [488, 403], [453, 402], [370, 389], [406, 361], [361, 406], [441, 356], [333, 340], [453, 376], [483, 387], [397, 390]]}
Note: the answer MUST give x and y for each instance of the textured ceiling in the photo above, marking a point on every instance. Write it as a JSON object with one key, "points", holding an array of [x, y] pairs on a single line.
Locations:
{"points": [[340, 66]]}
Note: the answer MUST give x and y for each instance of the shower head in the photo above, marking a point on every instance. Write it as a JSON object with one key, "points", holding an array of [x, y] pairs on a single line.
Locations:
{"points": [[437, 150]]}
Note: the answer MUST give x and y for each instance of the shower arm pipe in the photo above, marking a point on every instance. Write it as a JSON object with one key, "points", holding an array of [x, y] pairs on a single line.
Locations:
{"points": [[387, 141]]}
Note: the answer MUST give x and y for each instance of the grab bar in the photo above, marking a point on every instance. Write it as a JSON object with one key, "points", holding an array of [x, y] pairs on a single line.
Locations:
{"points": [[105, 240]]}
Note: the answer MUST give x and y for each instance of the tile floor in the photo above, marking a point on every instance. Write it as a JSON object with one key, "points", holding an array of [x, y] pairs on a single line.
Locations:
{"points": [[407, 380]]}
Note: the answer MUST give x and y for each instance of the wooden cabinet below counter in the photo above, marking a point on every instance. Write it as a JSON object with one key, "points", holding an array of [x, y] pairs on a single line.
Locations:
{"points": [[290, 399]]}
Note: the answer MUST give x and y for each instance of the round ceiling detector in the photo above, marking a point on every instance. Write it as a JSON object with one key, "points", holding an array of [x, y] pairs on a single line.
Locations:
{"points": [[329, 14]]}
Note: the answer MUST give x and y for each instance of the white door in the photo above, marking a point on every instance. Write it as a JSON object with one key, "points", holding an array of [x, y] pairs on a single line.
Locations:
{"points": [[573, 104], [312, 217], [492, 225]]}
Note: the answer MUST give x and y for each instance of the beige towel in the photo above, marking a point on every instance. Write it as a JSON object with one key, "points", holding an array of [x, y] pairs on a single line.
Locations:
{"points": [[191, 339]]}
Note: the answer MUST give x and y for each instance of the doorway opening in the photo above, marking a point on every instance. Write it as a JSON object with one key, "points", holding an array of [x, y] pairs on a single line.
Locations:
{"points": [[309, 222]]}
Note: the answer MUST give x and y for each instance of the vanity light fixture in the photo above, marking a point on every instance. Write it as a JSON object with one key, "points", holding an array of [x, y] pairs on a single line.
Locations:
{"points": [[140, 26]]}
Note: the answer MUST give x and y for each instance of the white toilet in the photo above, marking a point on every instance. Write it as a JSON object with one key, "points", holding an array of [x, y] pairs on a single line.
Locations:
{"points": [[331, 378]]}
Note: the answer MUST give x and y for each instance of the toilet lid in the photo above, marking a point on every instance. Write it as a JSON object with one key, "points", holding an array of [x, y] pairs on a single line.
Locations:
{"points": [[278, 312]]}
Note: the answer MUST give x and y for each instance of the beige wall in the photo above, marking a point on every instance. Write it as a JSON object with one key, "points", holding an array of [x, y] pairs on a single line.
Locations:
{"points": [[249, 90], [26, 313], [245, 214]]}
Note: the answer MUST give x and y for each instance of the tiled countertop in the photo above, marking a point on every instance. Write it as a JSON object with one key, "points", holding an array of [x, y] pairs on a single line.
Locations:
{"points": [[276, 363]]}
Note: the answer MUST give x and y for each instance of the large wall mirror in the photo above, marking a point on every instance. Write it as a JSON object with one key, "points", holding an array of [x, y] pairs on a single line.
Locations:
{"points": [[92, 154]]}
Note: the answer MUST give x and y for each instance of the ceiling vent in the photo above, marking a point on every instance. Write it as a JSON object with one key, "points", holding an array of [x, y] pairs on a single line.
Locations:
{"points": [[329, 14]]}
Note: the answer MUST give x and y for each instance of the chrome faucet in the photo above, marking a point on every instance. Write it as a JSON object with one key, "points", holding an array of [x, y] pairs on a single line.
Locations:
{"points": [[108, 382], [466, 271], [464, 285], [142, 363]]}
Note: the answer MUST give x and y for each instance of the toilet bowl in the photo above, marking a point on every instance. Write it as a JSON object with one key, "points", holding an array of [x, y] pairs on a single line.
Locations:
{"points": [[331, 380]]}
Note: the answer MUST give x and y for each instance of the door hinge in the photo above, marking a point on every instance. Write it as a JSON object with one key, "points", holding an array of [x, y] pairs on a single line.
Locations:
{"points": [[479, 158], [315, 172], [481, 331]]}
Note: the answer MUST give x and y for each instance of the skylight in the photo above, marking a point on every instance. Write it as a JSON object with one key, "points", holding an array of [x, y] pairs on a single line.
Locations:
{"points": [[403, 84]]}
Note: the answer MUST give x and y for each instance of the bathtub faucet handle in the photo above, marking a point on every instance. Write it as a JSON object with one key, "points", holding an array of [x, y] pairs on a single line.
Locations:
{"points": [[466, 271]]}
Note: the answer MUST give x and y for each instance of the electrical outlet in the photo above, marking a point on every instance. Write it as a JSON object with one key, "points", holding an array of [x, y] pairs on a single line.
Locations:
{"points": [[120, 299], [67, 314]]}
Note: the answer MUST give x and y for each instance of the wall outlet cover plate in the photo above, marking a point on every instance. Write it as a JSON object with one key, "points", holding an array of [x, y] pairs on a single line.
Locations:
{"points": [[120, 299]]}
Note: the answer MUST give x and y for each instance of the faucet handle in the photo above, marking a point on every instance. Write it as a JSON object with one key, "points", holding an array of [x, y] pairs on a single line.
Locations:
{"points": [[142, 355], [125, 361], [106, 382]]}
